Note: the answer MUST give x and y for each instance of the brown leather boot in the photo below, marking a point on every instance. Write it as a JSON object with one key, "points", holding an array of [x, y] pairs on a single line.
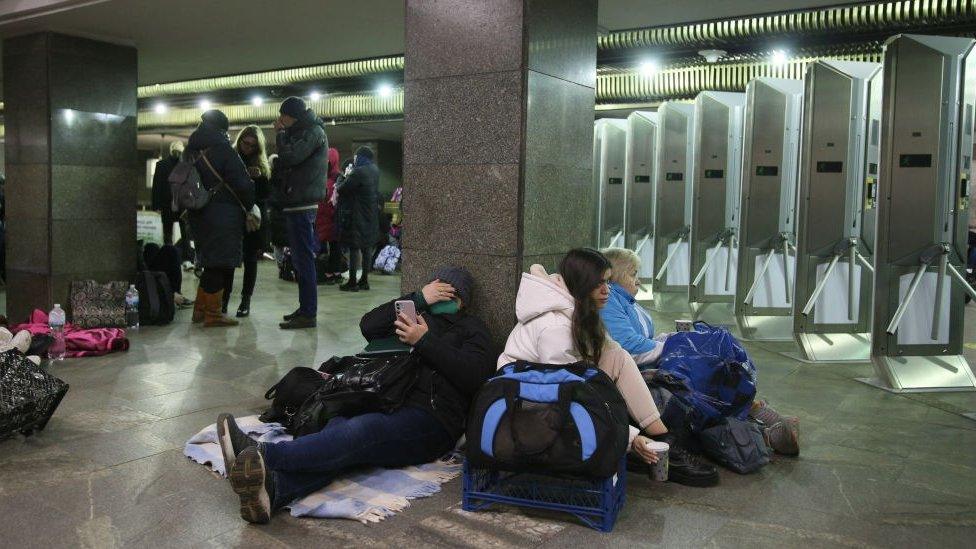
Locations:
{"points": [[213, 316], [198, 306]]}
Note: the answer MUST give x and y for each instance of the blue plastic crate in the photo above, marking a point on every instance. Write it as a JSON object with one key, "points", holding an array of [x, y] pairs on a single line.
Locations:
{"points": [[596, 502]]}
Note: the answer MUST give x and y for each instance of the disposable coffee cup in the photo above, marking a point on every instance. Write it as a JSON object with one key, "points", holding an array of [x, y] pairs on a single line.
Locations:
{"points": [[659, 470], [684, 325]]}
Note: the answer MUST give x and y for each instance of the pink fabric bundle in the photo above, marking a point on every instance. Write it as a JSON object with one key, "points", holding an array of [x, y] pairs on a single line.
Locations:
{"points": [[79, 342]]}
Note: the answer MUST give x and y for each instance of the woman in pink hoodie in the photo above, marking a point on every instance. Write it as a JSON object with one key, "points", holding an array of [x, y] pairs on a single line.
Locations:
{"points": [[559, 323]]}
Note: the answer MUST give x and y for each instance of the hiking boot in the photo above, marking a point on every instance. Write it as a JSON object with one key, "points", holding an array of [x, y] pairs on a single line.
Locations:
{"points": [[232, 440], [686, 468], [289, 316], [784, 437], [252, 481], [350, 286], [245, 308], [298, 322], [213, 318], [363, 285]]}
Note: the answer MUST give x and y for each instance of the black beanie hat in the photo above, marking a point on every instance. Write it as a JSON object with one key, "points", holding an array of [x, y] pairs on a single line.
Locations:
{"points": [[460, 278], [216, 118], [293, 107], [365, 152]]}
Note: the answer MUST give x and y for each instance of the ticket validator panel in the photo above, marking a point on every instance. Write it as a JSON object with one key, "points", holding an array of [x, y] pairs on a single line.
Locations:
{"points": [[639, 173], [672, 203], [764, 282], [716, 193], [833, 286], [923, 211], [610, 141]]}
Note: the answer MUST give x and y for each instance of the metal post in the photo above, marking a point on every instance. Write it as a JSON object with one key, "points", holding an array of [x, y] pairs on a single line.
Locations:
{"points": [[664, 266], [962, 280], [851, 260], [759, 276], [820, 286], [728, 263], [939, 288], [864, 262], [708, 261], [786, 269], [900, 312]]}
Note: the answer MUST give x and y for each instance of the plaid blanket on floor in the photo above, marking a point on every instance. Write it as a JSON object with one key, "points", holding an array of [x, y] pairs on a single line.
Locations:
{"points": [[366, 495]]}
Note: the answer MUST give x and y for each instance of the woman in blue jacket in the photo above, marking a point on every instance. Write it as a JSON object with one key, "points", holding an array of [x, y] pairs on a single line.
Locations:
{"points": [[628, 323]]}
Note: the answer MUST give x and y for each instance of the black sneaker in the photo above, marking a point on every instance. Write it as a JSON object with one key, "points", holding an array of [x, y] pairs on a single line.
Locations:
{"points": [[290, 316], [363, 285], [686, 468], [298, 322], [232, 440], [350, 286], [252, 481]]}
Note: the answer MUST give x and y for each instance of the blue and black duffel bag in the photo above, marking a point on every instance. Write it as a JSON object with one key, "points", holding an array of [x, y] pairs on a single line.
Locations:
{"points": [[550, 418]]}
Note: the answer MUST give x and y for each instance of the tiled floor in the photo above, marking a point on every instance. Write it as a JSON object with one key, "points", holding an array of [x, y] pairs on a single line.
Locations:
{"points": [[876, 470]]}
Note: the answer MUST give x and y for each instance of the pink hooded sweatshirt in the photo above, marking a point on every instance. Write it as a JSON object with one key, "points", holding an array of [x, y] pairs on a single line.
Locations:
{"points": [[544, 334], [79, 342]]}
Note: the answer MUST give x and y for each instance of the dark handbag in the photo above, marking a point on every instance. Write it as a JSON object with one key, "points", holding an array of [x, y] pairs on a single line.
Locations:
{"points": [[288, 395], [736, 444], [95, 305], [28, 394]]}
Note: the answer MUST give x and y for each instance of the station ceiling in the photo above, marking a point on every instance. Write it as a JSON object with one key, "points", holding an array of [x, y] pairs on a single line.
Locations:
{"points": [[188, 39]]}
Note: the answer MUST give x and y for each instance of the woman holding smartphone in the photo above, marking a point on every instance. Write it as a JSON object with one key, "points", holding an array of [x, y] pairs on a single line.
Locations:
{"points": [[251, 146]]}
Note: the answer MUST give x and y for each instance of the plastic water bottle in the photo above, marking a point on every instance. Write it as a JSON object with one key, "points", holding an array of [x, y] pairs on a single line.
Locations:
{"points": [[55, 322], [132, 307]]}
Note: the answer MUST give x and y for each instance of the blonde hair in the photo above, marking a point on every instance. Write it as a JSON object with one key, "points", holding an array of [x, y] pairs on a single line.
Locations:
{"points": [[175, 148], [622, 262], [260, 158]]}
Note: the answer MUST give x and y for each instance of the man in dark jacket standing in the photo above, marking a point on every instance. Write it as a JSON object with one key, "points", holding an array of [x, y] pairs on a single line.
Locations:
{"points": [[162, 197], [298, 185], [358, 216]]}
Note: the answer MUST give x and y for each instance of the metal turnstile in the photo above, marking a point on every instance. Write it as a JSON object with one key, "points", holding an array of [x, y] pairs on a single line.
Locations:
{"points": [[834, 260], [764, 281], [639, 202], [609, 150], [923, 211], [672, 205], [715, 204]]}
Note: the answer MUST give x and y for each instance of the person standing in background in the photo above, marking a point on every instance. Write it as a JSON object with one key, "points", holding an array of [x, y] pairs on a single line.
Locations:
{"points": [[298, 185], [162, 197], [250, 145], [325, 223], [358, 216]]}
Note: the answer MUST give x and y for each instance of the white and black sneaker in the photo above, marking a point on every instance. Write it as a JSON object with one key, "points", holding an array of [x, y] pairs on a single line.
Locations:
{"points": [[232, 440], [252, 482]]}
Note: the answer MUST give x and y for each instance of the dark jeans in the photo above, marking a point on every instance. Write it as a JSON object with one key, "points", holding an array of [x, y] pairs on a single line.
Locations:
{"points": [[354, 260], [408, 436], [304, 245], [165, 259]]}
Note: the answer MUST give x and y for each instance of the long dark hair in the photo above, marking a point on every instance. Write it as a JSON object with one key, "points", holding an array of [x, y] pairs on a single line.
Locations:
{"points": [[582, 269]]}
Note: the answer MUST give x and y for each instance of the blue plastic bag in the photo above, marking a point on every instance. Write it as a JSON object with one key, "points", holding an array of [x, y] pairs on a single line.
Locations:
{"points": [[716, 368]]}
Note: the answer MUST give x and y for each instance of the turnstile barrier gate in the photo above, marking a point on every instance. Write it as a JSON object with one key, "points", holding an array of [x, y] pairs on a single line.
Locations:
{"points": [[764, 283], [840, 156], [672, 205], [923, 212], [639, 173], [609, 151], [715, 203]]}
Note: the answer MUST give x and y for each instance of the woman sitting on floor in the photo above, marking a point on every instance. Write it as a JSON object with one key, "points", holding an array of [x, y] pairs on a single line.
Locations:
{"points": [[626, 321], [559, 323], [455, 358]]}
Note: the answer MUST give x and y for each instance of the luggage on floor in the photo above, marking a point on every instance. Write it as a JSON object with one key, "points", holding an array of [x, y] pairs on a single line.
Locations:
{"points": [[95, 305], [156, 305], [736, 444], [286, 271], [715, 366], [28, 394], [388, 259], [548, 418], [290, 392]]}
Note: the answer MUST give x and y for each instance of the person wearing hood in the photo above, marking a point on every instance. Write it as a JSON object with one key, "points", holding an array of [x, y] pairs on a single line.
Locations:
{"points": [[559, 323], [455, 357], [298, 180], [358, 216], [325, 223], [218, 227]]}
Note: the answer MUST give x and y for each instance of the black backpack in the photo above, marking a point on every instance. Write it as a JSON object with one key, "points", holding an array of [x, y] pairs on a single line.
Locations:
{"points": [[549, 418], [156, 306]]}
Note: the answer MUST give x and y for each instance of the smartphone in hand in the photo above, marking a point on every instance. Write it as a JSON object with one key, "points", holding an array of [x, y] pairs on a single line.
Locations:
{"points": [[406, 308]]}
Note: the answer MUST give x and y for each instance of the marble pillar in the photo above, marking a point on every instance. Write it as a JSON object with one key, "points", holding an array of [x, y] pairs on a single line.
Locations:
{"points": [[70, 116], [498, 133]]}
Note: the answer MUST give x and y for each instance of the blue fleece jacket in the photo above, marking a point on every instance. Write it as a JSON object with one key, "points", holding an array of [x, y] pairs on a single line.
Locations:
{"points": [[623, 322]]}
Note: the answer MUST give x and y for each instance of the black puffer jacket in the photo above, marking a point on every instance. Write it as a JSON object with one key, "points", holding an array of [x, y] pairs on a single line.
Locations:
{"points": [[299, 173], [456, 358], [357, 211], [218, 228]]}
